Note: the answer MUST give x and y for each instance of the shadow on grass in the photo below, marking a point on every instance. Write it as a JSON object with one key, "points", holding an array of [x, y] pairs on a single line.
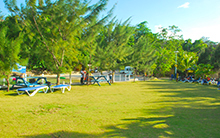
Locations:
{"points": [[183, 123], [192, 111], [182, 110], [64, 134], [180, 89], [13, 92]]}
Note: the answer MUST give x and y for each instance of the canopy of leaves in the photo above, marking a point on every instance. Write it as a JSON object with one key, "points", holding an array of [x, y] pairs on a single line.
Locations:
{"points": [[113, 44], [10, 40], [60, 35], [204, 70]]}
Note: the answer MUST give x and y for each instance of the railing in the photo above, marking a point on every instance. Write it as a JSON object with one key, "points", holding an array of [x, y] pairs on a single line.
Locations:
{"points": [[121, 77], [117, 77]]}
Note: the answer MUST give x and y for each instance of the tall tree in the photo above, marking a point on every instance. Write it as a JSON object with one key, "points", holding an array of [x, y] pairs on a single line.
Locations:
{"points": [[169, 42], [205, 57], [58, 25], [187, 45], [143, 51], [144, 55], [10, 40], [187, 60], [1, 16], [215, 59], [204, 70], [88, 39], [198, 46], [113, 44]]}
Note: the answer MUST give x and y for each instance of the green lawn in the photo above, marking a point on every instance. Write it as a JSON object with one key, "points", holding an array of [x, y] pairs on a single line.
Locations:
{"points": [[151, 109]]}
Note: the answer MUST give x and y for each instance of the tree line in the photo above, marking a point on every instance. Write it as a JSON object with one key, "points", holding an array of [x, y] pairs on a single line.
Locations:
{"points": [[60, 36]]}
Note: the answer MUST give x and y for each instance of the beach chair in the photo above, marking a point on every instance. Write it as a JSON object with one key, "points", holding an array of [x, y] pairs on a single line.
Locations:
{"points": [[34, 90], [186, 80], [218, 83], [62, 87], [204, 81], [196, 81]]}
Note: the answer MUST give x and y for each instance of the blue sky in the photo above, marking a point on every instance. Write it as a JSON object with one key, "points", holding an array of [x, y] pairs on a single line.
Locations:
{"points": [[196, 18]]}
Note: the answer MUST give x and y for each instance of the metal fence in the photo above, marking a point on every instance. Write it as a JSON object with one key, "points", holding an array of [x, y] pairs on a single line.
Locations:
{"points": [[118, 77], [121, 77]]}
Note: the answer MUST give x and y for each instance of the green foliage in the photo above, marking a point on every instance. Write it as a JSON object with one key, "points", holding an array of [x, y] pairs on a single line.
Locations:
{"points": [[60, 35], [215, 59], [113, 48], [143, 57], [10, 40], [204, 69], [88, 44], [169, 41], [58, 27], [186, 60], [165, 61], [187, 45], [141, 30], [198, 46], [205, 57]]}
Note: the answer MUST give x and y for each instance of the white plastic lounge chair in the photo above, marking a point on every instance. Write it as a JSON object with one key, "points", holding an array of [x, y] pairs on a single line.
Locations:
{"points": [[34, 89], [62, 87]]}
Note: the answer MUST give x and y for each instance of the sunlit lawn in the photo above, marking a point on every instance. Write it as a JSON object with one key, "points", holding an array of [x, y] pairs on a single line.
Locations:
{"points": [[150, 109]]}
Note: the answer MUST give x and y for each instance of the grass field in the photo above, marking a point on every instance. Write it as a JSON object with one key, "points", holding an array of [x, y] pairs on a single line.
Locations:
{"points": [[151, 109]]}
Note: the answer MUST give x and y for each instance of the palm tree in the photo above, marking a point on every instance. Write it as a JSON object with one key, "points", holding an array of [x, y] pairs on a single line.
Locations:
{"points": [[187, 60]]}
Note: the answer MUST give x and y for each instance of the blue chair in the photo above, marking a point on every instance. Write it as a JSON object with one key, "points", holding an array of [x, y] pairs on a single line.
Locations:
{"points": [[197, 81], [204, 81], [218, 84], [34, 89], [62, 87]]}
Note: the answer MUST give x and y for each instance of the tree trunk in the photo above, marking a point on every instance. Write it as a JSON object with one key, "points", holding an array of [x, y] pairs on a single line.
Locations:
{"points": [[87, 77], [8, 84], [58, 78], [113, 74], [148, 74], [145, 76], [70, 77], [134, 75]]}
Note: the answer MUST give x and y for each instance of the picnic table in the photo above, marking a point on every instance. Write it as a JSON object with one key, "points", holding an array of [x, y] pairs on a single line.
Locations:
{"points": [[33, 81], [97, 79]]}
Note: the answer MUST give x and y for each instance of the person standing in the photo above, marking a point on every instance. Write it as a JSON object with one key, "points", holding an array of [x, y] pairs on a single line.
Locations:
{"points": [[82, 76], [172, 77]]}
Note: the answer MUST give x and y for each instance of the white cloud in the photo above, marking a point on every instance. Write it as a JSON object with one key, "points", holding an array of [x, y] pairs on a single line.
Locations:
{"points": [[185, 5], [211, 31], [196, 32], [208, 28], [158, 28]]}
